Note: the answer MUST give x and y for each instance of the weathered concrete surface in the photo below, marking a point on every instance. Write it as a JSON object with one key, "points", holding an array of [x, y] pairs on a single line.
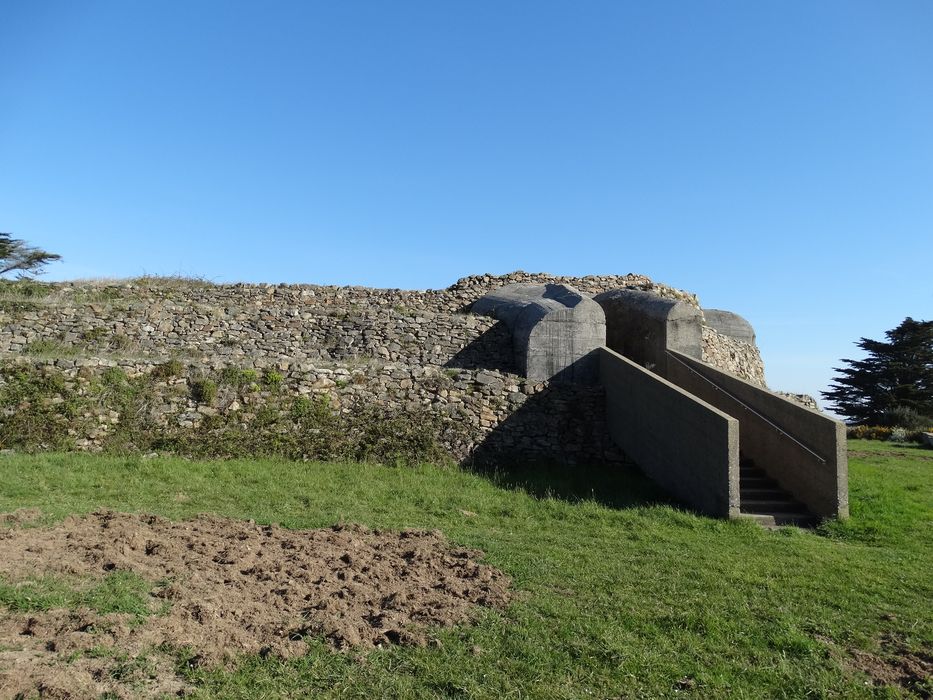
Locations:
{"points": [[813, 466], [555, 329], [731, 324], [642, 326], [687, 446]]}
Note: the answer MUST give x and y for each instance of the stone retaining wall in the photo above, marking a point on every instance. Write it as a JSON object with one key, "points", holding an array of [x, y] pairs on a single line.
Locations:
{"points": [[734, 356], [359, 346]]}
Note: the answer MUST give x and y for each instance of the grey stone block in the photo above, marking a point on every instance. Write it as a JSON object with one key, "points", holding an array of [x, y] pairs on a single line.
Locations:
{"points": [[555, 329], [731, 324]]}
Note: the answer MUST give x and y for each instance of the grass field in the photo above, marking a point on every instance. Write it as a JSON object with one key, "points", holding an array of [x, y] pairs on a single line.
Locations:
{"points": [[620, 594]]}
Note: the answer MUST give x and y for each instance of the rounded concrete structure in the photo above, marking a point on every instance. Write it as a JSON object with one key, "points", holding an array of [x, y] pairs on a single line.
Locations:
{"points": [[555, 329], [644, 326], [731, 324]]}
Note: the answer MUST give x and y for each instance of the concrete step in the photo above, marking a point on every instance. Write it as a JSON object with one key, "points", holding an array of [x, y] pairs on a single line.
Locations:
{"points": [[762, 493], [752, 474], [775, 520], [771, 506], [765, 502], [758, 482]]}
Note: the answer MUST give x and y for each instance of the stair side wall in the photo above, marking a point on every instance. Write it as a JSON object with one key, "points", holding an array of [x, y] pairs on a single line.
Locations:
{"points": [[820, 485], [685, 445]]}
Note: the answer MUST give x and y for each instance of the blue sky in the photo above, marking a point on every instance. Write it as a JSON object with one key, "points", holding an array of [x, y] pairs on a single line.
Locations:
{"points": [[776, 158]]}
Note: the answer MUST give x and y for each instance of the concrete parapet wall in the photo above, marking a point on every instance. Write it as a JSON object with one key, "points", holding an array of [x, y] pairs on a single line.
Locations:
{"points": [[555, 329], [642, 326], [687, 446], [730, 324], [804, 450]]}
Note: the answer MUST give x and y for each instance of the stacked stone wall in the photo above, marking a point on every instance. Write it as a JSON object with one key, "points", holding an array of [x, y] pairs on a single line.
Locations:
{"points": [[388, 348], [732, 355]]}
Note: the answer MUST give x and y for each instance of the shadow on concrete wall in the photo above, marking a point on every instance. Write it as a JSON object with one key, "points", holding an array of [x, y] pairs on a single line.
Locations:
{"points": [[491, 350]]}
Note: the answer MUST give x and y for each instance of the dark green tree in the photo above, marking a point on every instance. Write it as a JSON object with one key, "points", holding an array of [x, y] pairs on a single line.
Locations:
{"points": [[895, 379], [16, 256]]}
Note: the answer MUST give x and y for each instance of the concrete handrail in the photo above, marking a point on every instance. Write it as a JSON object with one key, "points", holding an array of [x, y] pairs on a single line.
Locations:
{"points": [[744, 405]]}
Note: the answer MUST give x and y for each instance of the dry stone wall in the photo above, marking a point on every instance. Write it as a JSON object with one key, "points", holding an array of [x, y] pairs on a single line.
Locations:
{"points": [[732, 355], [395, 350]]}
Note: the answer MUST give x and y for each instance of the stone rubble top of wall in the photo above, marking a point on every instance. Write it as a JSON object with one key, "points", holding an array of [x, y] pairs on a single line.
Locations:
{"points": [[732, 355], [249, 324], [454, 298]]}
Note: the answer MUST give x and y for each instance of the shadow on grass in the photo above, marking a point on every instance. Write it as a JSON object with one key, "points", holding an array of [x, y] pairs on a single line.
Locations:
{"points": [[556, 445], [612, 485]]}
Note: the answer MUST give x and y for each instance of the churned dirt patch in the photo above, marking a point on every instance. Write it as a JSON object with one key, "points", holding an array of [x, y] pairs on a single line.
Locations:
{"points": [[896, 666], [221, 588]]}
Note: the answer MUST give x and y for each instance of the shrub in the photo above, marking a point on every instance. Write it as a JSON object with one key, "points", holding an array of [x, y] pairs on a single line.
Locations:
{"points": [[172, 368], [52, 348], [907, 418], [898, 435], [272, 379], [47, 413], [94, 335], [204, 390], [114, 377], [25, 289], [238, 378], [869, 432]]}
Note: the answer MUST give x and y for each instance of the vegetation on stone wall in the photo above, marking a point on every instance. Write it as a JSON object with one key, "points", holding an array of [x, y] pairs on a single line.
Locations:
{"points": [[45, 411]]}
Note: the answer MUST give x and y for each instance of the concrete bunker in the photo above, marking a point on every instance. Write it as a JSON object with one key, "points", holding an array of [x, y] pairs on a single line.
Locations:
{"points": [[730, 324], [789, 462], [555, 330], [642, 326]]}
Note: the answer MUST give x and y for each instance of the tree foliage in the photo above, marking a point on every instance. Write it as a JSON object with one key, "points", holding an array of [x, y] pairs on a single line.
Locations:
{"points": [[895, 379], [16, 256]]}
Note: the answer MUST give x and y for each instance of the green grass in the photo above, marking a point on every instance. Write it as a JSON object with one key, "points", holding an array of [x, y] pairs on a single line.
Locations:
{"points": [[620, 595], [118, 592]]}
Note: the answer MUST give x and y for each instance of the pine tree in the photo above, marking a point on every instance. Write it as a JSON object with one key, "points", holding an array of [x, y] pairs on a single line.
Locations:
{"points": [[895, 379], [16, 256]]}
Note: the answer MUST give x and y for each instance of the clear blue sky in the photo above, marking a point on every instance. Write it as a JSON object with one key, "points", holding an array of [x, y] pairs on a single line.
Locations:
{"points": [[775, 158]]}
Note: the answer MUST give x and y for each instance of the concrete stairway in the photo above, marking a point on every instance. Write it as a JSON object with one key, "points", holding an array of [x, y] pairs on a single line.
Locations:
{"points": [[763, 501]]}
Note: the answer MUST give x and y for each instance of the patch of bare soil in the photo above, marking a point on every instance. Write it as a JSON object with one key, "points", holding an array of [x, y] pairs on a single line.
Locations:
{"points": [[223, 588], [896, 666], [21, 516]]}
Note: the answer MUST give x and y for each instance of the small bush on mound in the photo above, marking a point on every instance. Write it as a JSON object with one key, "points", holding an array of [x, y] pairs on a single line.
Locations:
{"points": [[24, 289], [907, 418], [898, 435], [883, 432], [167, 370], [238, 378], [272, 379], [204, 390], [40, 410]]}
